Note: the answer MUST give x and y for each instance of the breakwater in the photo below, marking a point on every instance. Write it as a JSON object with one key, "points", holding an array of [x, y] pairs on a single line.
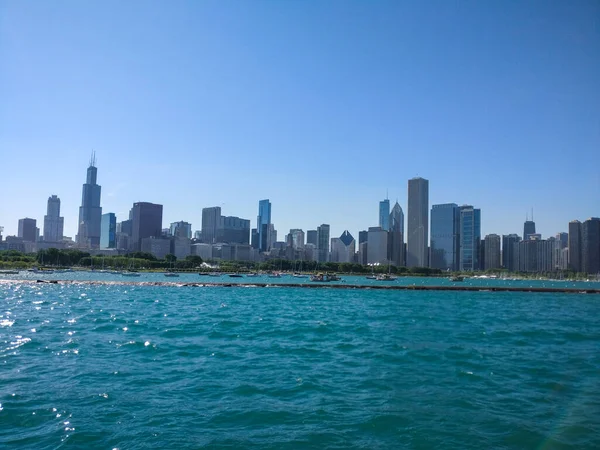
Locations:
{"points": [[318, 285]]}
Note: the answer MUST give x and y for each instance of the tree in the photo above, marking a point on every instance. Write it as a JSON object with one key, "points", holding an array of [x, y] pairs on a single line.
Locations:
{"points": [[193, 260], [170, 258]]}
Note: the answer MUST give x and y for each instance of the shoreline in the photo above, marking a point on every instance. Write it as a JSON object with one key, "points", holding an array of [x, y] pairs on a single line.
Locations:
{"points": [[314, 286]]}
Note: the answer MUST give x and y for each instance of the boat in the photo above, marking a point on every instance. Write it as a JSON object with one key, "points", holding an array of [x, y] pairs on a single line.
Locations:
{"points": [[457, 278], [9, 272], [252, 275], [130, 274], [385, 277], [324, 277], [214, 274], [275, 275], [299, 275], [203, 274], [171, 274], [371, 277], [235, 275]]}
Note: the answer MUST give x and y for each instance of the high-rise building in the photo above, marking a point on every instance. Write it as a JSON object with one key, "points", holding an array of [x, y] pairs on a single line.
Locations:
{"points": [[311, 237], [590, 246], [575, 250], [492, 252], [254, 238], [323, 242], [396, 236], [377, 248], [535, 255], [211, 222], [445, 234], [508, 251], [563, 238], [343, 248], [53, 223], [363, 236], [146, 221], [397, 219], [295, 238], [234, 230], [417, 236], [27, 229], [108, 231], [384, 214], [528, 228], [470, 238], [263, 225], [181, 229], [90, 211]]}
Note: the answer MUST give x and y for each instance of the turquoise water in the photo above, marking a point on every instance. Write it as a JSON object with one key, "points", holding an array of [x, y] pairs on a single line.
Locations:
{"points": [[138, 367]]}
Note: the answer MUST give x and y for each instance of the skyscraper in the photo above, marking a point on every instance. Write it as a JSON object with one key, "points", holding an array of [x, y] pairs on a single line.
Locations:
{"points": [[108, 231], [27, 229], [575, 256], [181, 229], [590, 246], [396, 236], [234, 230], [384, 214], [263, 225], [445, 244], [417, 236], [296, 238], [53, 223], [377, 246], [528, 228], [343, 248], [397, 219], [211, 222], [492, 252], [90, 212], [146, 221], [470, 238], [323, 242], [311, 237], [509, 251]]}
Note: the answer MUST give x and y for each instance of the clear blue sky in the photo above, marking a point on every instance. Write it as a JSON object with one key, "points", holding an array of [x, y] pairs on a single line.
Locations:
{"points": [[319, 106]]}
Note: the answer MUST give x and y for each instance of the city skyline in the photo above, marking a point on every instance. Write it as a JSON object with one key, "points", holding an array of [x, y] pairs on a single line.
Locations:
{"points": [[248, 86]]}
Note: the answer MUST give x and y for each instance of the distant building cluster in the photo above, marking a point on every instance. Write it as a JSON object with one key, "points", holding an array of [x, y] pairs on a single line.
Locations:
{"points": [[449, 240]]}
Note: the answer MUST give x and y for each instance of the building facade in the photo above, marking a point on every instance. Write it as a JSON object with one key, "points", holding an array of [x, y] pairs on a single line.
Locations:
{"points": [[27, 230], [528, 229], [417, 233], [211, 222], [470, 238], [377, 246], [181, 229], [90, 211], [343, 248], [445, 236], [295, 238], [234, 230], [492, 254], [590, 246], [384, 214], [509, 261], [108, 231], [575, 238], [157, 246], [323, 242], [146, 222], [53, 222], [263, 226]]}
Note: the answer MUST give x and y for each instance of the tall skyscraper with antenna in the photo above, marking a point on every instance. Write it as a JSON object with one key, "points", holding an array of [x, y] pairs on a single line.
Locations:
{"points": [[528, 227], [90, 211]]}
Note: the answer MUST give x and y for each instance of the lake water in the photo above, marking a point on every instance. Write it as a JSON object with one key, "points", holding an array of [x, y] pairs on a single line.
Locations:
{"points": [[139, 367]]}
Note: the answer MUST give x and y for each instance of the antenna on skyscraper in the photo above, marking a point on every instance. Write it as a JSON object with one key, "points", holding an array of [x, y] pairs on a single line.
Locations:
{"points": [[532, 213], [387, 197], [93, 159]]}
